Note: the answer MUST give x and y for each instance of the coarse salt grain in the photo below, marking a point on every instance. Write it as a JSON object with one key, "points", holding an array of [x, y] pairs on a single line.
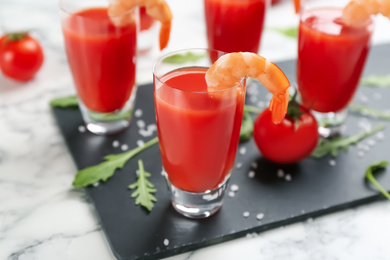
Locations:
{"points": [[280, 173], [371, 142], [254, 165], [332, 162], [234, 187], [166, 242], [145, 133], [238, 165], [96, 184], [287, 177], [246, 214], [138, 113], [124, 147], [260, 216], [152, 127], [81, 129], [251, 174], [115, 143], [140, 143], [360, 153], [231, 194], [242, 150], [380, 135], [141, 123]]}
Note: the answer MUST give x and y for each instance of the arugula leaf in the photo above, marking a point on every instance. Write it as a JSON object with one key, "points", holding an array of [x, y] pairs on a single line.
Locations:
{"points": [[104, 170], [144, 189], [376, 81], [369, 111], [371, 170], [71, 101], [246, 127], [289, 32], [183, 58], [331, 146]]}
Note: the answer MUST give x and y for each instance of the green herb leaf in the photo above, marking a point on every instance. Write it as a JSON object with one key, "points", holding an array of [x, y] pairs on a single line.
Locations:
{"points": [[144, 189], [332, 146], [104, 170], [246, 127], [369, 111], [65, 102], [376, 81], [183, 58], [289, 32], [371, 170]]}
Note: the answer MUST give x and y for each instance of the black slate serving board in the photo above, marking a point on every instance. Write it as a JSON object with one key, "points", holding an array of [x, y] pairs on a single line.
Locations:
{"points": [[316, 187]]}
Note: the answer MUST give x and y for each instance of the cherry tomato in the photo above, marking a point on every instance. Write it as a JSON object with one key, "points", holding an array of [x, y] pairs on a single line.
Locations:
{"points": [[286, 142], [21, 56]]}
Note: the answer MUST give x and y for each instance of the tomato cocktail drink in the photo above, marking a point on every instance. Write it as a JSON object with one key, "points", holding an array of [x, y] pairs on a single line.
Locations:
{"points": [[198, 134], [102, 59], [234, 25], [331, 58]]}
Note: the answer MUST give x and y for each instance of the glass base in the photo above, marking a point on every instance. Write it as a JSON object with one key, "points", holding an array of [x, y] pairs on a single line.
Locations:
{"points": [[332, 123], [197, 205], [108, 123]]}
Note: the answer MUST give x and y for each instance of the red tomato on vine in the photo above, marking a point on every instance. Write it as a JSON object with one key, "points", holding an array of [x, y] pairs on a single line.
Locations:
{"points": [[21, 56], [290, 141]]}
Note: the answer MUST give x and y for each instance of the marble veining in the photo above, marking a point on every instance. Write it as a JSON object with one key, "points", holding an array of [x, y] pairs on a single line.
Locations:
{"points": [[43, 217]]}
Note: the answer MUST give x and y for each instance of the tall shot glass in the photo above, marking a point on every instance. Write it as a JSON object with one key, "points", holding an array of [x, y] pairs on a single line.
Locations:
{"points": [[331, 58], [198, 132], [102, 59]]}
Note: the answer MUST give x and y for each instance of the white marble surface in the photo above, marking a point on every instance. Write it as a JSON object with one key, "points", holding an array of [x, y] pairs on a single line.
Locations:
{"points": [[43, 217]]}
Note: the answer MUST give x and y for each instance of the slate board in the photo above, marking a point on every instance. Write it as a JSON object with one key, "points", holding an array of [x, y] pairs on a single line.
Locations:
{"points": [[316, 187]]}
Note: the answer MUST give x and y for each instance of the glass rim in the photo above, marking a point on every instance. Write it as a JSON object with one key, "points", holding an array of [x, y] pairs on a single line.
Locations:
{"points": [[63, 9], [161, 58]]}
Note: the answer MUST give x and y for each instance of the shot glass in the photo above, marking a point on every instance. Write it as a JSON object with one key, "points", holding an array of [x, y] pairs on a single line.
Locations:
{"points": [[331, 58], [233, 25], [102, 60], [198, 131]]}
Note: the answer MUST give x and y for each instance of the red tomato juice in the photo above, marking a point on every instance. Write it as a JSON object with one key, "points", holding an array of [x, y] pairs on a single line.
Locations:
{"points": [[234, 25], [198, 131], [331, 58], [101, 57]]}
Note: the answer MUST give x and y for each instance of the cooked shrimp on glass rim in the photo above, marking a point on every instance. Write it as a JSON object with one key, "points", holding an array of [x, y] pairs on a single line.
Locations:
{"points": [[357, 13], [158, 9], [230, 68]]}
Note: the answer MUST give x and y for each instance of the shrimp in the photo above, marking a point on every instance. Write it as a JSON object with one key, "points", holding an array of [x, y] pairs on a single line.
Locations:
{"points": [[229, 69], [357, 12], [158, 9]]}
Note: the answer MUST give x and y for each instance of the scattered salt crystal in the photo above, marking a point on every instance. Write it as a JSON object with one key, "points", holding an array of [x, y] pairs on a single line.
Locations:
{"points": [[360, 153], [251, 174], [140, 143], [145, 133], [254, 165], [260, 216], [287, 177], [234, 187], [141, 123], [380, 135], [166, 242], [363, 98], [371, 142], [303, 211], [115, 143], [365, 124], [81, 129], [246, 214], [238, 165], [152, 127], [138, 113], [231, 194], [137, 172], [242, 150], [124, 147], [280, 173], [332, 162], [96, 184]]}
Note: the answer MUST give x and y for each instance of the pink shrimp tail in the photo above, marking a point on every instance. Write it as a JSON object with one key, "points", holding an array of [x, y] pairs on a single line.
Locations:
{"points": [[278, 106], [164, 34]]}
